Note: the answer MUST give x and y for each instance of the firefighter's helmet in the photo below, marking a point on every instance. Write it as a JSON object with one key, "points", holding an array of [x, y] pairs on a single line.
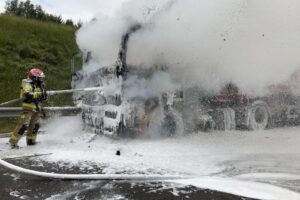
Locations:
{"points": [[36, 75]]}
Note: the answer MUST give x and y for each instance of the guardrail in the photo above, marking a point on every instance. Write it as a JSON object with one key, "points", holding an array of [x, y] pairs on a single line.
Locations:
{"points": [[5, 135], [49, 111]]}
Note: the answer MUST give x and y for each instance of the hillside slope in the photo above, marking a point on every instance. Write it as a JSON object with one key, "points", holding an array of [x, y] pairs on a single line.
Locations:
{"points": [[25, 43]]}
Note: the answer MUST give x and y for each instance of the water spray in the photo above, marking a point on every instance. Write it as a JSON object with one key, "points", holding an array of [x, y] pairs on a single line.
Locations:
{"points": [[54, 92]]}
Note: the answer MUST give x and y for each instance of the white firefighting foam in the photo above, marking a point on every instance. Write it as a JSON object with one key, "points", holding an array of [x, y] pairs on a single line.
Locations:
{"points": [[217, 160]]}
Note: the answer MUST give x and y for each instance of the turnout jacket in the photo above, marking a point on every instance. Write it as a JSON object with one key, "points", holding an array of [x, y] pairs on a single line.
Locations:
{"points": [[32, 94]]}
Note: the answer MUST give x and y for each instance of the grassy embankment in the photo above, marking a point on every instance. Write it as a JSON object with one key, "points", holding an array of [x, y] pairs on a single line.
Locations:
{"points": [[25, 43]]}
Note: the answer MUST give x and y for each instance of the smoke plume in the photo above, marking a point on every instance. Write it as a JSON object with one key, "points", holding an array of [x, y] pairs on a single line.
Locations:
{"points": [[207, 43]]}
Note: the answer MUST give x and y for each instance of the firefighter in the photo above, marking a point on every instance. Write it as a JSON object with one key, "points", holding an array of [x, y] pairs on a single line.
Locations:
{"points": [[33, 92]]}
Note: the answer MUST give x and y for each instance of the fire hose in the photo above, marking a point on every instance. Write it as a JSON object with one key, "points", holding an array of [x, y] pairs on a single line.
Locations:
{"points": [[89, 176], [54, 92]]}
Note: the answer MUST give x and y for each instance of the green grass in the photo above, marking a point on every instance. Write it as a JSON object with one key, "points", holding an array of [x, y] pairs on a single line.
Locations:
{"points": [[25, 43], [7, 124]]}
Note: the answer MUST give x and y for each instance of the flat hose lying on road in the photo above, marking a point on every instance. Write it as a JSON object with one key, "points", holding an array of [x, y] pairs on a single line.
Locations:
{"points": [[89, 176]]}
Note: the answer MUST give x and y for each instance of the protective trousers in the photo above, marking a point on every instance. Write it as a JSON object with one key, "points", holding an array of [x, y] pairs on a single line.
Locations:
{"points": [[28, 121]]}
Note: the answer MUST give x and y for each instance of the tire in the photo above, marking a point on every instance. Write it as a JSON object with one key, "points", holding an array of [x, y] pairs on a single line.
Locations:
{"points": [[259, 116]]}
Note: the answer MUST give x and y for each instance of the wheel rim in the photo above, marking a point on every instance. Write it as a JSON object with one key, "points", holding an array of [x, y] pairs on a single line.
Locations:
{"points": [[259, 118]]}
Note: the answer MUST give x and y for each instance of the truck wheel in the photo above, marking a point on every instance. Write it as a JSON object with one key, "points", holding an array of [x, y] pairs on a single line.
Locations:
{"points": [[258, 117]]}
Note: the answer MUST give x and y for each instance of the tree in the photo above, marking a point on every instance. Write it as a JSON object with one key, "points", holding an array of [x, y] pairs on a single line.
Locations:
{"points": [[79, 24], [20, 9], [11, 7], [40, 14], [69, 22], [29, 10]]}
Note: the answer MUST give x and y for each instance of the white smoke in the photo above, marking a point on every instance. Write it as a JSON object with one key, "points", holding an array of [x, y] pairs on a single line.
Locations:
{"points": [[204, 42], [102, 37], [159, 83]]}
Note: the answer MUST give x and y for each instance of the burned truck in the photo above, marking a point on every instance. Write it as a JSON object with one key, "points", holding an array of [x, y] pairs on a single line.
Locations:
{"points": [[110, 111]]}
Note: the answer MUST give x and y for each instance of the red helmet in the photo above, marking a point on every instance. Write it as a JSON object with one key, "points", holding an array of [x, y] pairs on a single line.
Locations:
{"points": [[36, 74]]}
